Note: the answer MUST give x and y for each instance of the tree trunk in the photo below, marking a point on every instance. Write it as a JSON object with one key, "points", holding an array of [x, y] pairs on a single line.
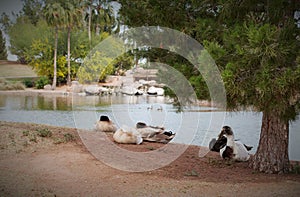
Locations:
{"points": [[90, 23], [272, 153], [68, 57], [97, 30], [55, 57]]}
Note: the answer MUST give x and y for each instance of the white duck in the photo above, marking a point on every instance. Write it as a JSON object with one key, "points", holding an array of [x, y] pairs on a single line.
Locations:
{"points": [[234, 149], [141, 133], [105, 125], [127, 136], [154, 134]]}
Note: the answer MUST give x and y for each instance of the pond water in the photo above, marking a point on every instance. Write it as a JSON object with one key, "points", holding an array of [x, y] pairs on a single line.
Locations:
{"points": [[194, 125]]}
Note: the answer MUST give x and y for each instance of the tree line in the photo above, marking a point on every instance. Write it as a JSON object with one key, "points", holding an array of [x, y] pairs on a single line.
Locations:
{"points": [[54, 36]]}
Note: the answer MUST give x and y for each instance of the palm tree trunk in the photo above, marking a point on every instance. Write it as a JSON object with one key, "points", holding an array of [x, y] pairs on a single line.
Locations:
{"points": [[68, 58], [55, 57], [97, 30], [90, 23], [272, 153]]}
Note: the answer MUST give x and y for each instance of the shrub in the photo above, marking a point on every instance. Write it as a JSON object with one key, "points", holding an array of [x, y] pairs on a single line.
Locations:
{"points": [[44, 133], [17, 86], [32, 138], [296, 168], [7, 85], [29, 83], [26, 133], [41, 82], [69, 137]]}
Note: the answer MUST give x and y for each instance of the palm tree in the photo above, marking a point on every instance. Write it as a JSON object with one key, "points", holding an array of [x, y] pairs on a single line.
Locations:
{"points": [[99, 17], [102, 18], [72, 15], [88, 16], [55, 16]]}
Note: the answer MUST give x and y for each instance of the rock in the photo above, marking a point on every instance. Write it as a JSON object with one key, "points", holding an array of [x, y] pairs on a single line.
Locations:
{"points": [[75, 83], [48, 87], [155, 91], [149, 83], [77, 88], [92, 90], [131, 90]]}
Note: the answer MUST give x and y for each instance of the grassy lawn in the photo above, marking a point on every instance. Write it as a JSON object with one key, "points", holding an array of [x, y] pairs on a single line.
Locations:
{"points": [[15, 70]]}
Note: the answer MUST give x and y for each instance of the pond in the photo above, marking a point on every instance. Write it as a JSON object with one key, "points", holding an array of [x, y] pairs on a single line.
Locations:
{"points": [[194, 125]]}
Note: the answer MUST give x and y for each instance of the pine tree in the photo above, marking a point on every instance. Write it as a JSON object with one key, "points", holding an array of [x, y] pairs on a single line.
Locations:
{"points": [[260, 63], [3, 52]]}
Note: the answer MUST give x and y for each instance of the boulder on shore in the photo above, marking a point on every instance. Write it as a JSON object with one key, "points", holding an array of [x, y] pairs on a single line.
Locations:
{"points": [[48, 87]]}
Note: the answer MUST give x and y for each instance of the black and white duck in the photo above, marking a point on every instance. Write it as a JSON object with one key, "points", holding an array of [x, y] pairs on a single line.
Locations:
{"points": [[233, 149]]}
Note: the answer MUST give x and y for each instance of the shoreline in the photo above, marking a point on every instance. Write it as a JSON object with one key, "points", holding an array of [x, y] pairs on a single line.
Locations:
{"points": [[36, 92], [76, 130]]}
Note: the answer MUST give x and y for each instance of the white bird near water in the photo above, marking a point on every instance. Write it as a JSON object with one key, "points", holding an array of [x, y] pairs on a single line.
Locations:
{"points": [[234, 149]]}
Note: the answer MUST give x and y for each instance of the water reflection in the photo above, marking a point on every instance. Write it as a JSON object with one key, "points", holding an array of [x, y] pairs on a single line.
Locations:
{"points": [[9, 102]]}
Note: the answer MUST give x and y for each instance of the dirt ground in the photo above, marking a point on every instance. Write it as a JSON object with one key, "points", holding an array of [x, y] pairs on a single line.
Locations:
{"points": [[40, 160]]}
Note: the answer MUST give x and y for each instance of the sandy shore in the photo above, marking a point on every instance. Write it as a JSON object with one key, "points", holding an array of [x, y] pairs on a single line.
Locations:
{"points": [[33, 163], [59, 91]]}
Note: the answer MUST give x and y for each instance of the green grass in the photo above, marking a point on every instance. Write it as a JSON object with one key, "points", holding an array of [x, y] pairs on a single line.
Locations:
{"points": [[15, 70]]}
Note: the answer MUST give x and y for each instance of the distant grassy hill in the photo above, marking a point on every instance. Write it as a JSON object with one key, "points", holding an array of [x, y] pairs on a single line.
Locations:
{"points": [[11, 69]]}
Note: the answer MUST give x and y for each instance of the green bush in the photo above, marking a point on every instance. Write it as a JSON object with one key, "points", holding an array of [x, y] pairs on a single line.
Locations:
{"points": [[44, 133], [69, 137], [41, 82], [29, 83]]}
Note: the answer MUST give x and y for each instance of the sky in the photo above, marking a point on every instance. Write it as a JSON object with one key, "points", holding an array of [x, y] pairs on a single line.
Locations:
{"points": [[9, 6]]}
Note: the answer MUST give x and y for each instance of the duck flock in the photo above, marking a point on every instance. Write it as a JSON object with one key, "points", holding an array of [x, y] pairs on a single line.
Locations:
{"points": [[225, 143], [141, 132]]}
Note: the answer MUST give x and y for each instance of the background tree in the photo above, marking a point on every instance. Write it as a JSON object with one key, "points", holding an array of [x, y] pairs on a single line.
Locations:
{"points": [[33, 10], [3, 51], [39, 54], [99, 17], [98, 64], [5, 22], [73, 13], [103, 18], [89, 4], [34, 26], [21, 34], [55, 16]]}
